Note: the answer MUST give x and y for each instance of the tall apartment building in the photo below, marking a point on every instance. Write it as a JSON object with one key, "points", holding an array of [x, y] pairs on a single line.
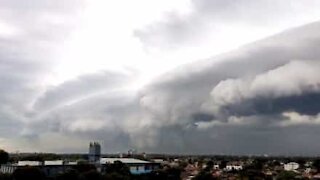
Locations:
{"points": [[94, 152]]}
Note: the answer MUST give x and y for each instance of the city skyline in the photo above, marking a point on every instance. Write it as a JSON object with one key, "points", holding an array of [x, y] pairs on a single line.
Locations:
{"points": [[189, 77]]}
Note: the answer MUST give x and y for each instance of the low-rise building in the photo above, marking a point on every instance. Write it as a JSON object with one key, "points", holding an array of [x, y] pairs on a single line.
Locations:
{"points": [[10, 168], [49, 168], [29, 163], [234, 166], [216, 166], [291, 166], [136, 166]]}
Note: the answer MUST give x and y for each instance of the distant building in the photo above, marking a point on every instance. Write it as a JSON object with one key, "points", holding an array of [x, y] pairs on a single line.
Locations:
{"points": [[131, 152], [50, 168], [29, 163], [291, 166], [160, 161], [234, 166], [136, 166], [94, 152], [7, 168], [10, 168], [55, 167]]}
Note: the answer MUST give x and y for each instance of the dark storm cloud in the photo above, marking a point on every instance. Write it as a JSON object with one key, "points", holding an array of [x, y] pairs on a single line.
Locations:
{"points": [[239, 99], [202, 117], [189, 87], [304, 104]]}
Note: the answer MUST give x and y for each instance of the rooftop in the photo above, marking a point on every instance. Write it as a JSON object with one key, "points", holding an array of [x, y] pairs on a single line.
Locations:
{"points": [[29, 163], [123, 160], [53, 163]]}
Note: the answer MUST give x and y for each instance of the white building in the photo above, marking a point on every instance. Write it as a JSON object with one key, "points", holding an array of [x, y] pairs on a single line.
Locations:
{"points": [[50, 168], [234, 166], [29, 163], [136, 166], [10, 168], [291, 166], [53, 163], [94, 152]]}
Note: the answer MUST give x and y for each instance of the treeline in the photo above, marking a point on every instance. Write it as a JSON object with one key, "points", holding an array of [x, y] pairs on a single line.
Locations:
{"points": [[46, 157]]}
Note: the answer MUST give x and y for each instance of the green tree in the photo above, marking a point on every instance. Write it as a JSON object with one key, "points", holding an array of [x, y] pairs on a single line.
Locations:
{"points": [[28, 172], [82, 168], [173, 173], [258, 163], [209, 166], [161, 174], [70, 174], [116, 176], [91, 175], [5, 176], [118, 167], [286, 175], [316, 164], [204, 175], [4, 157]]}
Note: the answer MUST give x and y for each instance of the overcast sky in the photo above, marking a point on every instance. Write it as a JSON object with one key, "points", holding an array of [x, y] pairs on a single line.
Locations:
{"points": [[182, 76]]}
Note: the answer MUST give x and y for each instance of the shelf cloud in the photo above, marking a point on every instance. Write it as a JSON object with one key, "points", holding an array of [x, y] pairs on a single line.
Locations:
{"points": [[261, 97]]}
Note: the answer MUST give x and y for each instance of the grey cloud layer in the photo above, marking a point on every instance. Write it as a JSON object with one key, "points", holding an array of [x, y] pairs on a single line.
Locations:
{"points": [[252, 100], [212, 17], [30, 35], [82, 87]]}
